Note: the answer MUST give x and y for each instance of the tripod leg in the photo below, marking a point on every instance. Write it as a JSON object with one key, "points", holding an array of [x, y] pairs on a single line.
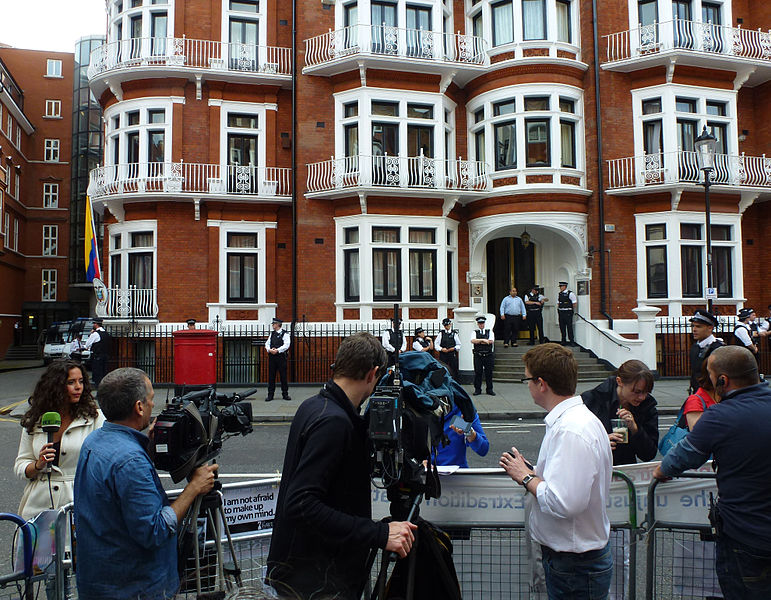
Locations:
{"points": [[212, 515], [231, 548], [194, 529], [411, 569]]}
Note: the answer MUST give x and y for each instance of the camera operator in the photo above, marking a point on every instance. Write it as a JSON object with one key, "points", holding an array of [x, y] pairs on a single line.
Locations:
{"points": [[323, 530], [735, 433], [127, 542]]}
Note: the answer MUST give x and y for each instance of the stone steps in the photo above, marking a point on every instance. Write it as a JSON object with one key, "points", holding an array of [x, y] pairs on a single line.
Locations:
{"points": [[509, 367]]}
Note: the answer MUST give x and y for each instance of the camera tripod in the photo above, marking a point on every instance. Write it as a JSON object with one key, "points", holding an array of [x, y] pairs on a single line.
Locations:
{"points": [[209, 507]]}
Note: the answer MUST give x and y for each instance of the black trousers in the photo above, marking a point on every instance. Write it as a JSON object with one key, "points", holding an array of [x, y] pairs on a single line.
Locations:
{"points": [[566, 324], [277, 364], [483, 363], [98, 369], [535, 319], [512, 325], [451, 360]]}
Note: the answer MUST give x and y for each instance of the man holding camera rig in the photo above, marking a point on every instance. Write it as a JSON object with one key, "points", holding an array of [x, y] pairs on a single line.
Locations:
{"points": [[127, 542], [323, 530], [735, 433]]}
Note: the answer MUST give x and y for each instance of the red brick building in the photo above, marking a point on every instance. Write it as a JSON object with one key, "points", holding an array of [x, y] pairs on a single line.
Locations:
{"points": [[445, 150], [35, 142]]}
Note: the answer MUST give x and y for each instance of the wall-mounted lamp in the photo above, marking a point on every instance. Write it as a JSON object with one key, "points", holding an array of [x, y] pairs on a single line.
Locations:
{"points": [[525, 238]]}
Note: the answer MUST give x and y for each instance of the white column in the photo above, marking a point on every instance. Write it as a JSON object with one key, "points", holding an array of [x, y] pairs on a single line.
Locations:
{"points": [[646, 332], [465, 324]]}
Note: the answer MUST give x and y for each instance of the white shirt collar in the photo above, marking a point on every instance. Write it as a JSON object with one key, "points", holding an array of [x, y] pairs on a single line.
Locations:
{"points": [[707, 341], [561, 408]]}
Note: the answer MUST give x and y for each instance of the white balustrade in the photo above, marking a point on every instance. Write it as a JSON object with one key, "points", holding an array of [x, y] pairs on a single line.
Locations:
{"points": [[681, 34], [182, 178], [682, 167], [190, 54], [129, 303], [414, 172], [385, 40]]}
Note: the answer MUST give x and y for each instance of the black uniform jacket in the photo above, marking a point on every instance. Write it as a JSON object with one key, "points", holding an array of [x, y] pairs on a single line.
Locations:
{"points": [[603, 402], [323, 529]]}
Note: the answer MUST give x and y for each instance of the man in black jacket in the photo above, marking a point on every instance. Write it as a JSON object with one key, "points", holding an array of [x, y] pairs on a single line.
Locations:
{"points": [[323, 530], [703, 324]]}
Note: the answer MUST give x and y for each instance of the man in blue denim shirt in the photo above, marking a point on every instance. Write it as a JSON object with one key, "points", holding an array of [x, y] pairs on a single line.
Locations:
{"points": [[126, 526], [736, 433]]}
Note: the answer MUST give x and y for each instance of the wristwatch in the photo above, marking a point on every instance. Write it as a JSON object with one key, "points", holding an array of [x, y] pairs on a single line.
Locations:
{"points": [[527, 479]]}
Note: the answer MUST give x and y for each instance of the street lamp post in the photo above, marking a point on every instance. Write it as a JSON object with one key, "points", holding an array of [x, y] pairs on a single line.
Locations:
{"points": [[705, 155]]}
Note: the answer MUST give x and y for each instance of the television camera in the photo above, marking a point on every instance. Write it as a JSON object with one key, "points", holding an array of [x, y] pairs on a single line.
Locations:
{"points": [[191, 428]]}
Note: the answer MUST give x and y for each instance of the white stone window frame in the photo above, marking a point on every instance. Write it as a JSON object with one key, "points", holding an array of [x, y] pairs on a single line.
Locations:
{"points": [[53, 109], [50, 195], [7, 229], [519, 43], [48, 281], [18, 135], [54, 68], [672, 220], [665, 14], [17, 183], [365, 245], [16, 229], [254, 227], [50, 240], [145, 10], [51, 150], [260, 17], [143, 106], [255, 108], [518, 93], [669, 116], [124, 230], [366, 96]]}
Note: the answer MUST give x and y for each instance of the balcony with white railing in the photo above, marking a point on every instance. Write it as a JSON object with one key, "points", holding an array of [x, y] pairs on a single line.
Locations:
{"points": [[407, 175], [129, 303], [394, 48], [692, 43], [161, 179], [678, 169], [160, 56]]}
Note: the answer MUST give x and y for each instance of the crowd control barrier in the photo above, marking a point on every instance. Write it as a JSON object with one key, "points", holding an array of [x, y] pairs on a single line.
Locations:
{"points": [[485, 515], [20, 582]]}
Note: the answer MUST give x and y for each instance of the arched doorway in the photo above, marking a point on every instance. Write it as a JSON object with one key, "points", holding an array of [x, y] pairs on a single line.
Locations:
{"points": [[510, 263]]}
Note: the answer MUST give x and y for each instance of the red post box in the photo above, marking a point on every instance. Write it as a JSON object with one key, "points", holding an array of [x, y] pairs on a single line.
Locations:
{"points": [[195, 357]]}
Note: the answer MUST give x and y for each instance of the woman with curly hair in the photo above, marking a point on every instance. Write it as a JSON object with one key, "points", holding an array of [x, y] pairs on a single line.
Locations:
{"points": [[63, 388]]}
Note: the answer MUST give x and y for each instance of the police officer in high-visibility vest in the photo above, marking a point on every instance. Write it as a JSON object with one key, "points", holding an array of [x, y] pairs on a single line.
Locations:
{"points": [[534, 304], [277, 345], [392, 339], [482, 343], [447, 345], [566, 306]]}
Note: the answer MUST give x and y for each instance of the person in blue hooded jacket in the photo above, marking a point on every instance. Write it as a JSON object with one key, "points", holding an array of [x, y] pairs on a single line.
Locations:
{"points": [[455, 452]]}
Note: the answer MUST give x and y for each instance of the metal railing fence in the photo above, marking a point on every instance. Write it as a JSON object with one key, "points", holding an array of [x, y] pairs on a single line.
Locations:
{"points": [[674, 338], [241, 356]]}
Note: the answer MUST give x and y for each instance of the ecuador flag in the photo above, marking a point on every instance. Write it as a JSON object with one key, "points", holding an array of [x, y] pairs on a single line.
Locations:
{"points": [[92, 251]]}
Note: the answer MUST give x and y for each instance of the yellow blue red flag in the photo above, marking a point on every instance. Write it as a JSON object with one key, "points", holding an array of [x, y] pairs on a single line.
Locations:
{"points": [[92, 250]]}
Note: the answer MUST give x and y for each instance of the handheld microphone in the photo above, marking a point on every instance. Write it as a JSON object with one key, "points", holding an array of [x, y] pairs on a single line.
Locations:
{"points": [[50, 423]]}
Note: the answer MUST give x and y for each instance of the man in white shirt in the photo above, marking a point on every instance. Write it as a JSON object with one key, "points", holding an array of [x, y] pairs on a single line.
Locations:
{"points": [[482, 346], [571, 482], [276, 345]]}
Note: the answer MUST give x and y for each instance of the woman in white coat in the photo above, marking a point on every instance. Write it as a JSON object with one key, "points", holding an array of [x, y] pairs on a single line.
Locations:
{"points": [[64, 388]]}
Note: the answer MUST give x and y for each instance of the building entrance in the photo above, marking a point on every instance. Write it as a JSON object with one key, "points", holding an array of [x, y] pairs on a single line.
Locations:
{"points": [[510, 263]]}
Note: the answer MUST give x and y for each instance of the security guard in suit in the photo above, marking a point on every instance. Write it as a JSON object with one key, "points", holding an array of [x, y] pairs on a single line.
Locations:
{"points": [[566, 306], [447, 345]]}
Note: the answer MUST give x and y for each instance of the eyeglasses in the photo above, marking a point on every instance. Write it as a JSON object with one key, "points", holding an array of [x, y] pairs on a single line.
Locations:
{"points": [[526, 379]]}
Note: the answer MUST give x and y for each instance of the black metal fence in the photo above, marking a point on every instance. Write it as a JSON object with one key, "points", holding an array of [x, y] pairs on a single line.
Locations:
{"points": [[240, 352], [674, 339]]}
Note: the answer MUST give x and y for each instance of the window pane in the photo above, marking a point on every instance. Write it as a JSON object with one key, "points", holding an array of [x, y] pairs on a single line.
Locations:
{"points": [[141, 270], [538, 152], [721, 233], [420, 111], [479, 115], [242, 240], [504, 108], [690, 257], [479, 145], [685, 105], [351, 109], [657, 271], [533, 20], [568, 143], [142, 239], [563, 21], [652, 106], [242, 120], [387, 109], [652, 137], [503, 23], [716, 108], [155, 146], [505, 146], [351, 140], [722, 269], [537, 103], [351, 235], [690, 231], [385, 235], [655, 232], [422, 274], [133, 118], [156, 116], [385, 274], [422, 236], [351, 275], [245, 5], [567, 105]]}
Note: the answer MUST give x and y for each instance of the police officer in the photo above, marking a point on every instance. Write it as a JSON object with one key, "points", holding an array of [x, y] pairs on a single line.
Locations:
{"points": [[392, 339], [422, 343], [534, 304], [746, 331], [512, 312], [482, 342], [277, 345], [703, 324], [190, 323], [566, 306], [447, 344], [99, 343]]}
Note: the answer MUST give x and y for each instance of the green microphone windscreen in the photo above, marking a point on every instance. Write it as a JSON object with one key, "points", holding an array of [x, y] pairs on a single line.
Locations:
{"points": [[51, 420]]}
